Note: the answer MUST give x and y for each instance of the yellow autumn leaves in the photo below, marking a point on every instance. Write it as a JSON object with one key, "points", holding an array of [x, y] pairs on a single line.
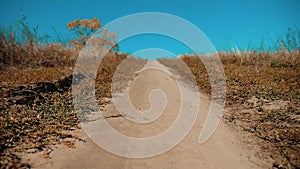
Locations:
{"points": [[85, 28]]}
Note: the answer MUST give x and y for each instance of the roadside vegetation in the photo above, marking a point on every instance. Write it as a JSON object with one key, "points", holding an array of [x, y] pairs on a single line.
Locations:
{"points": [[36, 109], [263, 99]]}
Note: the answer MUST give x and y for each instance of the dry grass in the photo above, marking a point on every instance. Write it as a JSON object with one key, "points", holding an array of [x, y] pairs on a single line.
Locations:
{"points": [[14, 78], [30, 55], [30, 128], [35, 128], [268, 85], [106, 71]]}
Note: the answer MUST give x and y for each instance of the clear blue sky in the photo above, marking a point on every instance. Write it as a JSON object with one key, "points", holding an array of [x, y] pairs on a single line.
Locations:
{"points": [[227, 23]]}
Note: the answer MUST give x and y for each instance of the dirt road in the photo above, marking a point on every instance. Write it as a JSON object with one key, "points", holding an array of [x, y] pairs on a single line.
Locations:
{"points": [[225, 149]]}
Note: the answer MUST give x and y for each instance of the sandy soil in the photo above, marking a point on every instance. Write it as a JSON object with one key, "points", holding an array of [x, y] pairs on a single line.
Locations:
{"points": [[225, 149]]}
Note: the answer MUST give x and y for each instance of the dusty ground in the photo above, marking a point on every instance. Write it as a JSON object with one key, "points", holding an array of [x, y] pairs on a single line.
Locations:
{"points": [[225, 149]]}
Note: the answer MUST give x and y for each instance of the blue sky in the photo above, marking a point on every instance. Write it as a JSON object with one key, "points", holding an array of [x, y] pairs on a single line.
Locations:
{"points": [[227, 23]]}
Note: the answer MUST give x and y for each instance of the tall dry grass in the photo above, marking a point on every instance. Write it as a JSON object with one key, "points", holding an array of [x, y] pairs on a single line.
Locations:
{"points": [[29, 55], [21, 48]]}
